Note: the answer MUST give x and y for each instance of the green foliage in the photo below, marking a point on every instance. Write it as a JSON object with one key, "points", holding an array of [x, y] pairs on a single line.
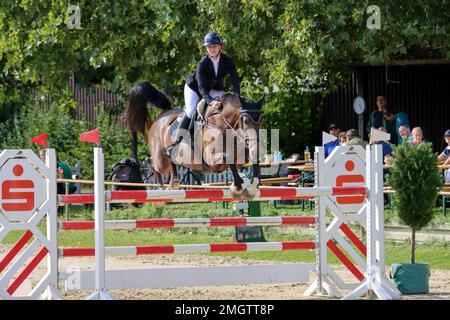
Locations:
{"points": [[289, 48], [416, 179], [63, 134]]}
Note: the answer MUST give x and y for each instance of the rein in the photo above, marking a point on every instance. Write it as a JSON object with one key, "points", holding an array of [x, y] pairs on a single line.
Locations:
{"points": [[235, 133]]}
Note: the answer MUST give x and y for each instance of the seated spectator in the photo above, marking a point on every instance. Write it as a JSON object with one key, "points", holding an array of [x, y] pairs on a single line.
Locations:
{"points": [[444, 157], [63, 172], [404, 133], [342, 138], [354, 139], [401, 119], [417, 137], [394, 121], [334, 130]]}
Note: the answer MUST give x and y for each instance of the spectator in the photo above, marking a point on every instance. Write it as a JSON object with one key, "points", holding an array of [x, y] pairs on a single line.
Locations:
{"points": [[404, 133], [400, 119], [342, 138], [382, 117], [334, 130], [63, 172], [444, 157], [417, 137], [354, 139], [390, 123]]}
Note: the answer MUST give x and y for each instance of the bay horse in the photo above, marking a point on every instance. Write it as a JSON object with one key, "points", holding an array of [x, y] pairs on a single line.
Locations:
{"points": [[237, 120]]}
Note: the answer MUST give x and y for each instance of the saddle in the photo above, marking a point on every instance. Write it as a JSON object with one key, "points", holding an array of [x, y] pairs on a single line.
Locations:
{"points": [[197, 120]]}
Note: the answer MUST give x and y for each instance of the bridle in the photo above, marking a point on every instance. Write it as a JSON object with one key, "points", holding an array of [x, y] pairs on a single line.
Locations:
{"points": [[255, 116]]}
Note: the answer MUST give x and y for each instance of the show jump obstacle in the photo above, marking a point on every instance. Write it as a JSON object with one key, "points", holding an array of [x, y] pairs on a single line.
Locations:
{"points": [[348, 188]]}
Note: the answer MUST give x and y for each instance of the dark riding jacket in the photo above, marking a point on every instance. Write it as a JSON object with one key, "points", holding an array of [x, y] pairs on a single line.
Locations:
{"points": [[205, 79]]}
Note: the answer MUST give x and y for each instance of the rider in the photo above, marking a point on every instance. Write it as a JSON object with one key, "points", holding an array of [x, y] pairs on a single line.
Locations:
{"points": [[207, 82]]}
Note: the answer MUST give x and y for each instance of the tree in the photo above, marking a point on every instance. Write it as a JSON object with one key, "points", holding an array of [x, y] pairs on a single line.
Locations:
{"points": [[292, 49], [416, 180]]}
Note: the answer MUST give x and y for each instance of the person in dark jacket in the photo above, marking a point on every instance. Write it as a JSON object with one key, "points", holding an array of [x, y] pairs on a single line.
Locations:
{"points": [[207, 82], [383, 117]]}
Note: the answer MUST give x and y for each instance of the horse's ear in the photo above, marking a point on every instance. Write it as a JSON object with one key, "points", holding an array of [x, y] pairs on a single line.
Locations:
{"points": [[260, 102], [242, 101]]}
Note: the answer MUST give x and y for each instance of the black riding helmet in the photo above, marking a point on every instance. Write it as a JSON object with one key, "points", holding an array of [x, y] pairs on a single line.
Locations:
{"points": [[212, 38]]}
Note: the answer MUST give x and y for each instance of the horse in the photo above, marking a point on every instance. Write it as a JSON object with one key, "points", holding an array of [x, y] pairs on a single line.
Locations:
{"points": [[237, 120]]}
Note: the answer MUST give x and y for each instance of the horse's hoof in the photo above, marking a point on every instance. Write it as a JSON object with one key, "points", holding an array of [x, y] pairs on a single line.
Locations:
{"points": [[236, 192], [249, 193], [174, 185]]}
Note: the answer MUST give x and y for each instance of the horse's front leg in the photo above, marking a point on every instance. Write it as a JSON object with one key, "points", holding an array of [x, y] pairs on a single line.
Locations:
{"points": [[159, 180], [250, 191], [236, 186], [174, 181]]}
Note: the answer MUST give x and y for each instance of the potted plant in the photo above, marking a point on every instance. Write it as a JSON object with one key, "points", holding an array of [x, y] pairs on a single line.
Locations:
{"points": [[416, 179]]}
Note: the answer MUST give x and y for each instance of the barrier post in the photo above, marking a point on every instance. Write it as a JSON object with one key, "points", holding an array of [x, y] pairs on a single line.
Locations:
{"points": [[52, 292], [99, 208], [375, 278], [322, 285]]}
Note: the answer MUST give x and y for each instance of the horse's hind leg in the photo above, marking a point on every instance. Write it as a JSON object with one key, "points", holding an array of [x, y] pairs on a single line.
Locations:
{"points": [[159, 180], [174, 181]]}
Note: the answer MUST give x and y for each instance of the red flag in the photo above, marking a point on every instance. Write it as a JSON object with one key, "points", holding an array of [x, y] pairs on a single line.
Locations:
{"points": [[91, 136], [41, 140]]}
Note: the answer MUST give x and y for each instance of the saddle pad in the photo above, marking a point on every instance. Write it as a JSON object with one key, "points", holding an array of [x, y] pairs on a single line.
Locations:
{"points": [[174, 125]]}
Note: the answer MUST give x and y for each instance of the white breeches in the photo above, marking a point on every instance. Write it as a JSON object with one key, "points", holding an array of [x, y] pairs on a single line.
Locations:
{"points": [[191, 99]]}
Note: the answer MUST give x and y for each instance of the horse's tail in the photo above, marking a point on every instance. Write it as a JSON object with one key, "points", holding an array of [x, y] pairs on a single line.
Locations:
{"points": [[136, 116]]}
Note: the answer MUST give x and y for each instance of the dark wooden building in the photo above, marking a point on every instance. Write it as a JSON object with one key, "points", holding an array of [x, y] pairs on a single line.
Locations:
{"points": [[420, 88]]}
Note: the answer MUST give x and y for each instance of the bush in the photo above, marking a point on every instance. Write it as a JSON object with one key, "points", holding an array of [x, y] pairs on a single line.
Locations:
{"points": [[416, 179], [63, 134]]}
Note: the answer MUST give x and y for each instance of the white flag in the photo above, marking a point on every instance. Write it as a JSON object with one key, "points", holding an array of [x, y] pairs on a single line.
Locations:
{"points": [[378, 135], [326, 137]]}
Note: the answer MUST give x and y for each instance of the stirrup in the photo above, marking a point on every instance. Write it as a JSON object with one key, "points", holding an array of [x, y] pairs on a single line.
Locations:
{"points": [[169, 149]]}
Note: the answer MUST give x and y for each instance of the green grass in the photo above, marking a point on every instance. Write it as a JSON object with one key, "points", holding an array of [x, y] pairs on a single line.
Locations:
{"points": [[435, 252]]}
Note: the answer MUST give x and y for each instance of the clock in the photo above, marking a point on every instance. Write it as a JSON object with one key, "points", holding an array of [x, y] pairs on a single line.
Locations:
{"points": [[359, 105]]}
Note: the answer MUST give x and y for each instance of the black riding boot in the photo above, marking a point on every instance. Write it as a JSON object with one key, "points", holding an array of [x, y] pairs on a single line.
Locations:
{"points": [[183, 124]]}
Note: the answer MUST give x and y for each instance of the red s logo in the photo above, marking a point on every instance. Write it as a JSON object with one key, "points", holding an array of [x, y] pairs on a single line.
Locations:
{"points": [[7, 194], [349, 178]]}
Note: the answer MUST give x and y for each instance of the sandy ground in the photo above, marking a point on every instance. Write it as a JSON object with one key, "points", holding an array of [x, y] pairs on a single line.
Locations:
{"points": [[439, 280]]}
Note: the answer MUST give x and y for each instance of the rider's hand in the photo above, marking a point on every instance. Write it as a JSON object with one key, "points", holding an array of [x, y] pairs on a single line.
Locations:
{"points": [[216, 105]]}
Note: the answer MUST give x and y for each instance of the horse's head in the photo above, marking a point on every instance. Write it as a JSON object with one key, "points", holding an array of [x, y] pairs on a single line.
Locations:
{"points": [[231, 106], [243, 117]]}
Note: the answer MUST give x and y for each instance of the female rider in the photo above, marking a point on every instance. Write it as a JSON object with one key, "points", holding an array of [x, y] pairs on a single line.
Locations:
{"points": [[207, 82]]}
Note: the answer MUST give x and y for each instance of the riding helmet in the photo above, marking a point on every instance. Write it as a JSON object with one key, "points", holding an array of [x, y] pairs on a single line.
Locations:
{"points": [[212, 38]]}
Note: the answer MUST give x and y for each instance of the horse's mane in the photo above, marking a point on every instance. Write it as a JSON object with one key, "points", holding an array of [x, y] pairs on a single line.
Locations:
{"points": [[231, 99]]}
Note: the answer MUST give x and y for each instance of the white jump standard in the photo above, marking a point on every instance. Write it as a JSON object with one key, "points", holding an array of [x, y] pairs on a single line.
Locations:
{"points": [[344, 187]]}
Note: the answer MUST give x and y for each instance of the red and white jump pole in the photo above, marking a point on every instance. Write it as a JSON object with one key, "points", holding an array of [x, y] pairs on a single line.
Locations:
{"points": [[190, 223], [220, 195], [191, 248]]}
